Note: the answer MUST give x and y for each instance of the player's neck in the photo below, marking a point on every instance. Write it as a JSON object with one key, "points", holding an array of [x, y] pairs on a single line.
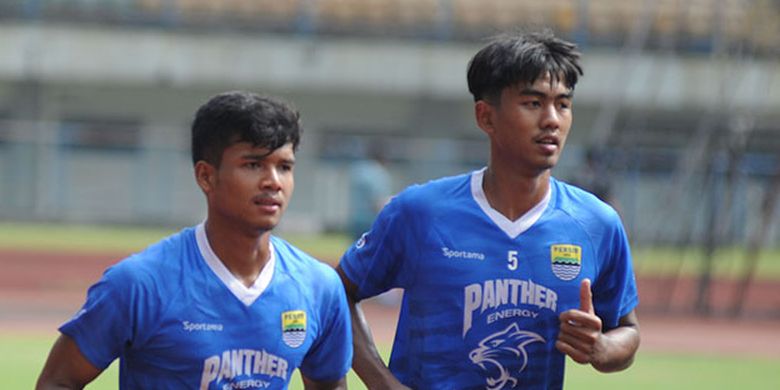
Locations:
{"points": [[512, 194], [244, 254]]}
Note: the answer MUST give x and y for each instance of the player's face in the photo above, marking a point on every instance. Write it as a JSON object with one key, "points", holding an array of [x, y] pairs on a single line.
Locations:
{"points": [[529, 126], [252, 187]]}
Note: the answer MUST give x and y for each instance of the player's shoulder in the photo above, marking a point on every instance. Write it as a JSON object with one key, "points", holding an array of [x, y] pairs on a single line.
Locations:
{"points": [[157, 259], [301, 265], [436, 190], [582, 205]]}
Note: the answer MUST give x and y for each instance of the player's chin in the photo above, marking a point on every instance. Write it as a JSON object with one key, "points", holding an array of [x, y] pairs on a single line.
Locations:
{"points": [[545, 165], [549, 162], [266, 223]]}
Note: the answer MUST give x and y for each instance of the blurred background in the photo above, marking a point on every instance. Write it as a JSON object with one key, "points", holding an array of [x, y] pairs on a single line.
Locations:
{"points": [[679, 102], [677, 119]]}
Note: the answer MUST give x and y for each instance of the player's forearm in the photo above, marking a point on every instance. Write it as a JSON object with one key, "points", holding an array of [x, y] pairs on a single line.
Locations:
{"points": [[46, 382], [66, 367], [366, 360], [45, 385], [309, 384], [617, 350]]}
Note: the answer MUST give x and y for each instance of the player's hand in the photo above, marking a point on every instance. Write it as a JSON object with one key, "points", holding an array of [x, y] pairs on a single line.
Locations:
{"points": [[580, 335]]}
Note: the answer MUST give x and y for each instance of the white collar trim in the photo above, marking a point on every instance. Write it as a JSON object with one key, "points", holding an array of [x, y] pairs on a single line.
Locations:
{"points": [[511, 228], [245, 294]]}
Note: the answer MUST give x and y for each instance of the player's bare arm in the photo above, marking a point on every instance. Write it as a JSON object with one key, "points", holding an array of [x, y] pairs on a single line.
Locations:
{"points": [[366, 360], [66, 367], [310, 384], [582, 337]]}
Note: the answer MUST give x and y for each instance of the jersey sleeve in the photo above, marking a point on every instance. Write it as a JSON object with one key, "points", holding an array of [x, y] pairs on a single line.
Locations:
{"points": [[102, 327], [382, 258], [615, 292], [330, 357], [117, 315]]}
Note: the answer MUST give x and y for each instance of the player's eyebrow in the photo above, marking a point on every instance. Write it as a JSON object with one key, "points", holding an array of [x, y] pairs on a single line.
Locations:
{"points": [[254, 156], [261, 157], [538, 93]]}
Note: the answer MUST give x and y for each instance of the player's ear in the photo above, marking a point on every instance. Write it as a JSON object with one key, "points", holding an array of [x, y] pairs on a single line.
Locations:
{"points": [[205, 176], [483, 113]]}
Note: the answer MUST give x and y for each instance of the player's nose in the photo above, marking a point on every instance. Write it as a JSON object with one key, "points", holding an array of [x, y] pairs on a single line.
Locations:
{"points": [[551, 118], [271, 179]]}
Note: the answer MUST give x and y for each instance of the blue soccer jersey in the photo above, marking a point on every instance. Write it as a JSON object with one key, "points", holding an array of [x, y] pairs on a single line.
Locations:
{"points": [[177, 318], [482, 293]]}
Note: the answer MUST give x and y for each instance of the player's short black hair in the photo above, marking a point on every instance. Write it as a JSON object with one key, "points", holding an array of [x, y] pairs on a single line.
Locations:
{"points": [[516, 59], [239, 116]]}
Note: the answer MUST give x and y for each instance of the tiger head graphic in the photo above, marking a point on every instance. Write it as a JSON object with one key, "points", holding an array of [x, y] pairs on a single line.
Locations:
{"points": [[507, 344]]}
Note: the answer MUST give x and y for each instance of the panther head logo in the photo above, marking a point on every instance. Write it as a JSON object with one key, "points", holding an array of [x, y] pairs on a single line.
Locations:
{"points": [[508, 343]]}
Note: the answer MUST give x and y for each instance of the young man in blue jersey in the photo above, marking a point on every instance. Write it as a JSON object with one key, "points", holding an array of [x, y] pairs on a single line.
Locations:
{"points": [[506, 270], [224, 304]]}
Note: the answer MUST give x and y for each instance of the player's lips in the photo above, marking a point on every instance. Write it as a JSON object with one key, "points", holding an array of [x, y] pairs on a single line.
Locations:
{"points": [[549, 143], [547, 140], [267, 202]]}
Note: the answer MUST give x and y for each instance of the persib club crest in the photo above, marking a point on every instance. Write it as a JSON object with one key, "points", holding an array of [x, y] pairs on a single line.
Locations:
{"points": [[294, 328], [566, 260]]}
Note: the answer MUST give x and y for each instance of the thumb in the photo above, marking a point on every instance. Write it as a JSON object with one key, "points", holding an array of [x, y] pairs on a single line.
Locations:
{"points": [[586, 297]]}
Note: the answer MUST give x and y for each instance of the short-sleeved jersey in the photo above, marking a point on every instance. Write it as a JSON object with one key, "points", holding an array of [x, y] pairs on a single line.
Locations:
{"points": [[483, 294], [176, 318]]}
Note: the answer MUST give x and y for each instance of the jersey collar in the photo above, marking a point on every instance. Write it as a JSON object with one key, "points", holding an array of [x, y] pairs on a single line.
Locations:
{"points": [[511, 228], [247, 295]]}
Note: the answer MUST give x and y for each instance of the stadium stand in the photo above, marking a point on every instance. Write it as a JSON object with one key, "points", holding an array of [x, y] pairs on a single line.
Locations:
{"points": [[694, 23]]}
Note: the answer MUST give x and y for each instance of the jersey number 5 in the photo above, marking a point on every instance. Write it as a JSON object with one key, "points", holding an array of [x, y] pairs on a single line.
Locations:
{"points": [[511, 259]]}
